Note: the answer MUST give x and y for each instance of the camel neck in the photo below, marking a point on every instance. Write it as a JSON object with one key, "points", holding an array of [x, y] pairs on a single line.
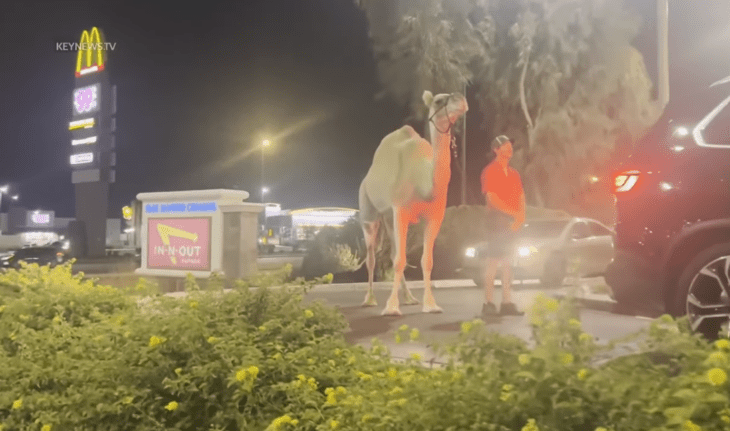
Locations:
{"points": [[441, 143]]}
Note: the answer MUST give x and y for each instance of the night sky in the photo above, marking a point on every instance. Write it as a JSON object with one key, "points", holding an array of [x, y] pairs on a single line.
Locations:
{"points": [[199, 87]]}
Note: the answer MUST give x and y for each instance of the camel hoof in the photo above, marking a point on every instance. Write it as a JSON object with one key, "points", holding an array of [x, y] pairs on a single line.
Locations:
{"points": [[432, 309], [411, 301], [391, 312], [369, 301]]}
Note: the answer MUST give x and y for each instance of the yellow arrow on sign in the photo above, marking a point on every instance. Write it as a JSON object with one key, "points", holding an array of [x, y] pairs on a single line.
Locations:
{"points": [[167, 231]]}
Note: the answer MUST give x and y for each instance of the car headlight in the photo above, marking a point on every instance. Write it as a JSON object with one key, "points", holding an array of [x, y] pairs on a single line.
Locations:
{"points": [[471, 252], [526, 251]]}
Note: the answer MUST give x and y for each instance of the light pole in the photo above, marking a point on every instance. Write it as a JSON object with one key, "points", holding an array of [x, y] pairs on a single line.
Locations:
{"points": [[264, 144]]}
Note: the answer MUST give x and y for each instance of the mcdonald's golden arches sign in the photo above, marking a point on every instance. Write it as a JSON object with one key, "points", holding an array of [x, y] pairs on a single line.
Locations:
{"points": [[91, 53]]}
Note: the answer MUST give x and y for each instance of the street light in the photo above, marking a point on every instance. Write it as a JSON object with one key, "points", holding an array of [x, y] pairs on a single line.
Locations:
{"points": [[264, 144], [3, 190]]}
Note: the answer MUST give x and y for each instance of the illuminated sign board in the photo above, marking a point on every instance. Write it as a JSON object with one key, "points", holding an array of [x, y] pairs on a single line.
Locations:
{"points": [[82, 158], [81, 124], [86, 99], [127, 213], [198, 207], [179, 243], [89, 140], [39, 218], [93, 54]]}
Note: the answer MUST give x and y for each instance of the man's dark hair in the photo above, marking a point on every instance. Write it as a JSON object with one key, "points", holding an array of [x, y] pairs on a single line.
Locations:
{"points": [[499, 141]]}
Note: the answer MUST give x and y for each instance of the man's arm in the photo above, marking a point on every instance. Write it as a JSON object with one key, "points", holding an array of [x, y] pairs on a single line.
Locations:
{"points": [[495, 201]]}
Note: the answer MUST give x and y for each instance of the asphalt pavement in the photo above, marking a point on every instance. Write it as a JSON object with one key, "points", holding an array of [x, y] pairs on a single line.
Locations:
{"points": [[461, 301]]}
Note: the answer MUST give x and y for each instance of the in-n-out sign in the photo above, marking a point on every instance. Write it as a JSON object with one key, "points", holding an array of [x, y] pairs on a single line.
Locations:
{"points": [[82, 158]]}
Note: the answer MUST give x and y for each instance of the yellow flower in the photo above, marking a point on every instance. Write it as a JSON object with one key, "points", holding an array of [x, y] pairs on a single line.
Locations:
{"points": [[395, 391], [46, 428], [717, 358], [331, 399], [295, 422], [717, 376], [312, 383], [212, 340], [536, 321], [552, 305], [341, 390], [253, 370], [338, 352], [172, 406], [334, 424], [351, 360], [17, 404], [363, 376], [308, 314], [178, 371], [530, 426], [276, 356], [416, 356], [524, 359], [722, 344], [466, 327], [392, 373], [601, 429], [567, 359], [154, 341], [366, 417], [574, 323], [241, 375], [127, 400], [281, 420], [584, 338], [725, 418], [403, 328], [397, 338], [193, 304], [262, 328], [582, 374], [688, 425], [302, 377], [2, 308], [507, 388], [414, 334]]}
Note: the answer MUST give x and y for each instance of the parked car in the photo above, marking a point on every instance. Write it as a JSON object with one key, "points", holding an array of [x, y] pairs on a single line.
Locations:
{"points": [[40, 255], [546, 248], [673, 218]]}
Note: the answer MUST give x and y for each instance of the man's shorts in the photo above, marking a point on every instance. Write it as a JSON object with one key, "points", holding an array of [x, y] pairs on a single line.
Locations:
{"points": [[501, 240]]}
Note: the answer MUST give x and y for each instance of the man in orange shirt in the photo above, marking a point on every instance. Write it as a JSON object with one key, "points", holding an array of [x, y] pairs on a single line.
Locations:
{"points": [[502, 190]]}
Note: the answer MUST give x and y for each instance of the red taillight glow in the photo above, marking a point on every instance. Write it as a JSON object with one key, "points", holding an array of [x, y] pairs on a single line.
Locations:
{"points": [[625, 181]]}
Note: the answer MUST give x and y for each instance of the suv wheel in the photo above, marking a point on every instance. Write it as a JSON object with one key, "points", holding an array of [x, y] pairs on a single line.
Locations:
{"points": [[554, 273], [703, 292]]}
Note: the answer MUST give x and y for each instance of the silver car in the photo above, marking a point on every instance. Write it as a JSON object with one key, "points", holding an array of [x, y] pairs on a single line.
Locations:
{"points": [[548, 250]]}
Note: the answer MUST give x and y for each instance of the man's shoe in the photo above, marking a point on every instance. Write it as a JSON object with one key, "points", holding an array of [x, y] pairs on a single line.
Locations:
{"points": [[510, 309], [489, 310]]}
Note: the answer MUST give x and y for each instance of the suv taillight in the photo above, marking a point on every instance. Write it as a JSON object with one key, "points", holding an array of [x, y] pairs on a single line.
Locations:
{"points": [[625, 181]]}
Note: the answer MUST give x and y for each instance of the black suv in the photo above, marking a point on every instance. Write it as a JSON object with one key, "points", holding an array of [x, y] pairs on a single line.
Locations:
{"points": [[672, 249], [40, 255]]}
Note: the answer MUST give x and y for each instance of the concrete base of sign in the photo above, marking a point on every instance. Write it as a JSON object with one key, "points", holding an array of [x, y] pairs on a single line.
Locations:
{"points": [[198, 232]]}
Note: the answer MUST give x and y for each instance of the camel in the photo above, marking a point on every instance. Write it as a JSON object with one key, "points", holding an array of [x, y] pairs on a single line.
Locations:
{"points": [[410, 178]]}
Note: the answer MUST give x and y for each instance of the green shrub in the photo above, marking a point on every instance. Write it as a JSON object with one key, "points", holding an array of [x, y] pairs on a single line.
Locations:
{"points": [[77, 356]]}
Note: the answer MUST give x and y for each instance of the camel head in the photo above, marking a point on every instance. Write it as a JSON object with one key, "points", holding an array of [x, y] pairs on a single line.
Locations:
{"points": [[445, 109]]}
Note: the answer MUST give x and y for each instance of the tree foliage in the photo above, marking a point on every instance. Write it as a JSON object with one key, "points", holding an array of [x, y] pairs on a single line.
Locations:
{"points": [[560, 77]]}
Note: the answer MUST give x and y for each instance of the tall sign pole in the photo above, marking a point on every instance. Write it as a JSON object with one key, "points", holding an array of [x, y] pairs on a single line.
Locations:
{"points": [[92, 155]]}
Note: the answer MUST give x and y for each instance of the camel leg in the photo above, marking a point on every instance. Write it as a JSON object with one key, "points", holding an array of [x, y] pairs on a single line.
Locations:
{"points": [[410, 299], [400, 222], [429, 238], [371, 236]]}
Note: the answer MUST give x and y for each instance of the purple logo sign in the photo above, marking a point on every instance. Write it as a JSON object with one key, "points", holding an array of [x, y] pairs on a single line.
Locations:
{"points": [[86, 99]]}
